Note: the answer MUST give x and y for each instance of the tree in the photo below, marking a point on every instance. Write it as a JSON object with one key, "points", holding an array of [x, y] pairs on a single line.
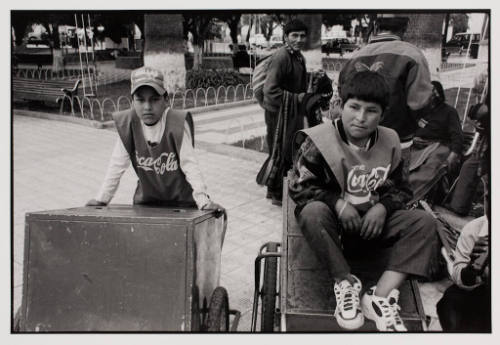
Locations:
{"points": [[460, 22], [232, 19], [118, 24], [201, 27]]}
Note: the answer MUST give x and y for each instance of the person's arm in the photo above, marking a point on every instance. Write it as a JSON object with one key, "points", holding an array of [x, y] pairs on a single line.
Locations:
{"points": [[273, 91], [118, 164], [455, 133], [189, 165], [310, 180], [395, 192], [463, 272]]}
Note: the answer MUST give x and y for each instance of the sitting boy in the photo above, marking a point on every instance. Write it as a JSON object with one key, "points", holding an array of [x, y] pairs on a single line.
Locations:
{"points": [[347, 183], [158, 142], [466, 305]]}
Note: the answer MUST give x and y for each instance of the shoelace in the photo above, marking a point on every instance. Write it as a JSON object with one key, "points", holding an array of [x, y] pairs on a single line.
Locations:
{"points": [[350, 298], [395, 313], [393, 303], [387, 312]]}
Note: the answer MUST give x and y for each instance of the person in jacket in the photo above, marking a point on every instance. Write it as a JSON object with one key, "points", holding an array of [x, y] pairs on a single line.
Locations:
{"points": [[159, 144], [466, 305], [350, 192], [286, 74], [438, 143]]}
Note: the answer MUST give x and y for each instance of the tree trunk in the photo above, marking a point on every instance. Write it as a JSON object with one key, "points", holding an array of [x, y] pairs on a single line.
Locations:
{"points": [[312, 50], [57, 55], [197, 56], [425, 30], [164, 48]]}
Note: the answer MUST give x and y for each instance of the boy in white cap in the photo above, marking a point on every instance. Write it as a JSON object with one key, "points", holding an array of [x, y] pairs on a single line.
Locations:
{"points": [[159, 143]]}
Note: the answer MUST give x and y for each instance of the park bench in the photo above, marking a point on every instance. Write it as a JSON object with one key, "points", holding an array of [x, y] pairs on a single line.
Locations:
{"points": [[51, 91]]}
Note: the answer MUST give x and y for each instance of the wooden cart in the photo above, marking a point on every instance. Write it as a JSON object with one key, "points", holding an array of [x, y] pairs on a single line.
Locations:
{"points": [[296, 293], [123, 268]]}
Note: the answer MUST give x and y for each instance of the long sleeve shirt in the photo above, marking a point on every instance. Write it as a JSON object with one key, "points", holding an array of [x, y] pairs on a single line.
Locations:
{"points": [[471, 232], [442, 124], [286, 71], [312, 180], [120, 161]]}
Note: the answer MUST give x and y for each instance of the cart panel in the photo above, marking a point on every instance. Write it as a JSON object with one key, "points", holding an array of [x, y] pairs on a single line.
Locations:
{"points": [[115, 275]]}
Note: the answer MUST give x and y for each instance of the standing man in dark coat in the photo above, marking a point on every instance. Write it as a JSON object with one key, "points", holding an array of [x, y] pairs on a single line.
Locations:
{"points": [[286, 73]]}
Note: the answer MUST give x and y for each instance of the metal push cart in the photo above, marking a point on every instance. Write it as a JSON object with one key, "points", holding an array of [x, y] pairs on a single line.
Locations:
{"points": [[123, 268], [296, 294]]}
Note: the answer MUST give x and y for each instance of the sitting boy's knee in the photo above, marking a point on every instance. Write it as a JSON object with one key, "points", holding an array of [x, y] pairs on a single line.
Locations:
{"points": [[314, 212]]}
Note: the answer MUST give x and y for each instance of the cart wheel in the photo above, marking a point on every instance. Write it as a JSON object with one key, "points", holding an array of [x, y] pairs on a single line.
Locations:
{"points": [[218, 311], [269, 291]]}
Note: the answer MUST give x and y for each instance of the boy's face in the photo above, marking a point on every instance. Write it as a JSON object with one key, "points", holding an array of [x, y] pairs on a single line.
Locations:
{"points": [[149, 105], [296, 39], [360, 118]]}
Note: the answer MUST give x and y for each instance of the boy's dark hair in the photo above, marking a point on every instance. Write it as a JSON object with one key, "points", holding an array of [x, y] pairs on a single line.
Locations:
{"points": [[439, 89], [294, 25], [368, 86]]}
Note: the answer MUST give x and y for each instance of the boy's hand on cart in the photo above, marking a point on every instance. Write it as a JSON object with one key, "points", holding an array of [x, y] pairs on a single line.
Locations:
{"points": [[348, 216], [219, 210], [373, 222], [94, 202]]}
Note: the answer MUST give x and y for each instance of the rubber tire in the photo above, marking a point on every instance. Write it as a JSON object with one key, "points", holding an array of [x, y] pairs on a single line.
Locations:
{"points": [[269, 291], [218, 311]]}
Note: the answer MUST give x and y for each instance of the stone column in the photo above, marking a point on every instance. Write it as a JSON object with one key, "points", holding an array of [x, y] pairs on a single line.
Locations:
{"points": [[164, 48]]}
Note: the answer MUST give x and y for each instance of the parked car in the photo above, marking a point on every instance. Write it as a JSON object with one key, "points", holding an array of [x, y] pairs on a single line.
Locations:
{"points": [[460, 42], [338, 45]]}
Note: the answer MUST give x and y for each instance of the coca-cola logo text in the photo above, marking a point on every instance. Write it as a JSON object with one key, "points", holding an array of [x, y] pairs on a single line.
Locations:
{"points": [[361, 181], [167, 161]]}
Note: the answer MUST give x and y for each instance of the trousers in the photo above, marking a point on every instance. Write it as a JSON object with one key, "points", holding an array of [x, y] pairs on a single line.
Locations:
{"points": [[409, 237]]}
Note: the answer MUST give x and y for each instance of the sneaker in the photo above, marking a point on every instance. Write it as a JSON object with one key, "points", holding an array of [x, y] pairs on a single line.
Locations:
{"points": [[393, 298], [383, 310], [348, 312]]}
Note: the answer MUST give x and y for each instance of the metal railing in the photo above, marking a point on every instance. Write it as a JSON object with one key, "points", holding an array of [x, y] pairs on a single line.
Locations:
{"points": [[100, 109]]}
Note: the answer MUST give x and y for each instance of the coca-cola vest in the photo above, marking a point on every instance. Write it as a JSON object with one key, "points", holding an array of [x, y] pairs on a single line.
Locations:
{"points": [[161, 180], [358, 172]]}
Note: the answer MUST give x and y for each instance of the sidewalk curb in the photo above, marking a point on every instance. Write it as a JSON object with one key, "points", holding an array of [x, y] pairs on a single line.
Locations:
{"points": [[208, 108], [232, 151]]}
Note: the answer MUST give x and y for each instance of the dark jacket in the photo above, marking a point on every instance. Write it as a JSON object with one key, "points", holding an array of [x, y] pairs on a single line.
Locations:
{"points": [[442, 124], [286, 71], [313, 180]]}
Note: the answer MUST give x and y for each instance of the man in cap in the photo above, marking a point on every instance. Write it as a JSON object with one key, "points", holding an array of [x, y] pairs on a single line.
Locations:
{"points": [[159, 143], [286, 73], [406, 71]]}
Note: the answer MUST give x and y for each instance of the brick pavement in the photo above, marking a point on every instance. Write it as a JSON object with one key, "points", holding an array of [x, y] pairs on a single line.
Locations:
{"points": [[61, 165]]}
